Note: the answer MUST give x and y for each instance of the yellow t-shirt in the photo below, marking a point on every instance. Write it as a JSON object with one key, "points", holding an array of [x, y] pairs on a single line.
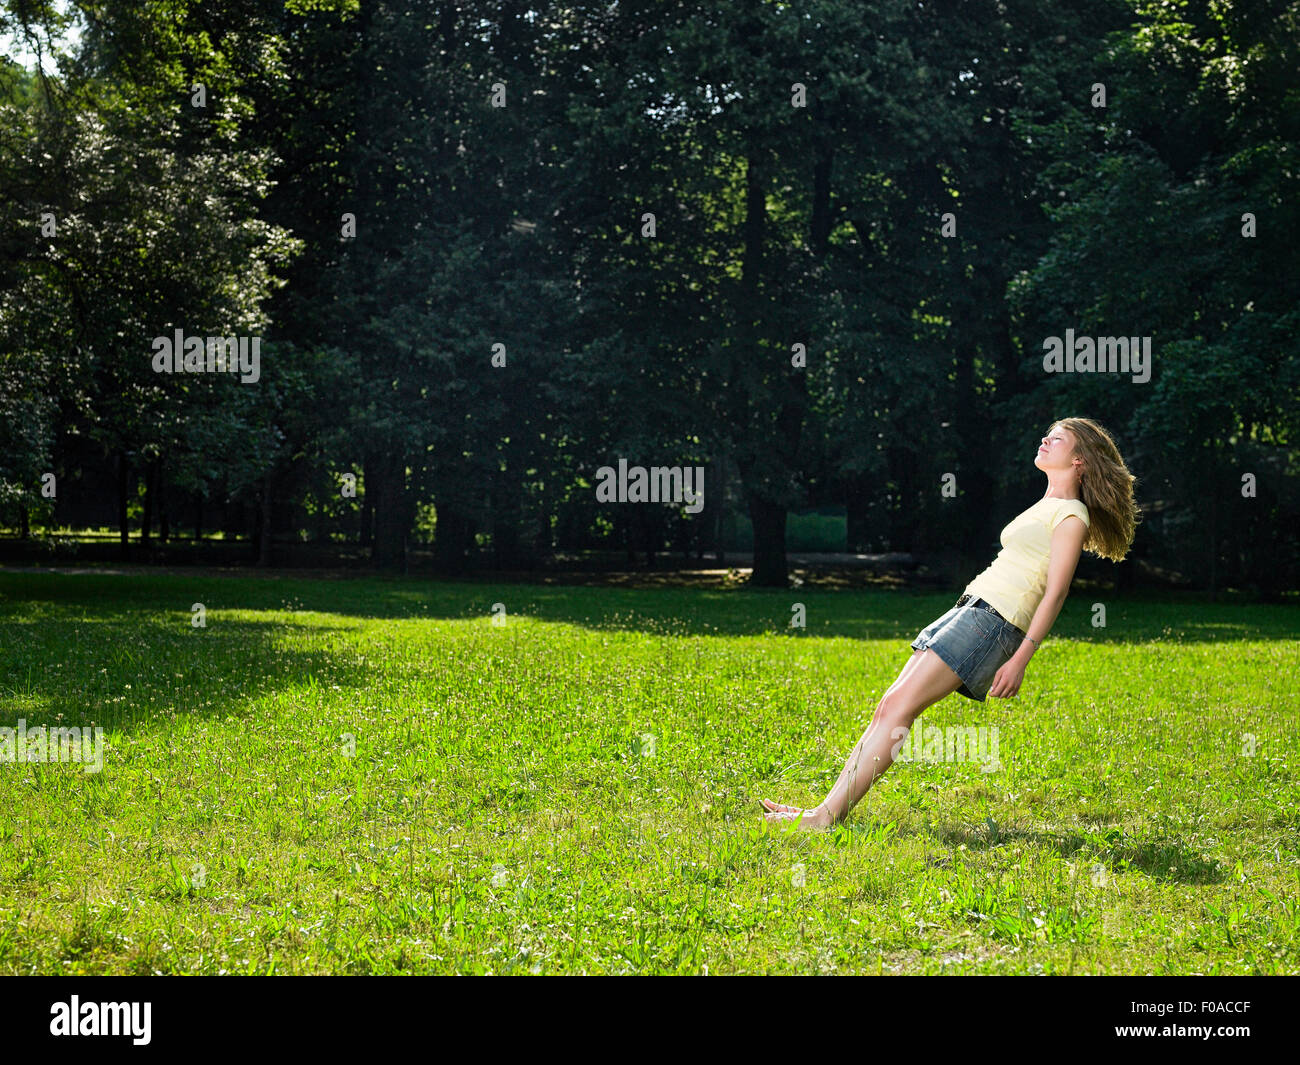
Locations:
{"points": [[1014, 584]]}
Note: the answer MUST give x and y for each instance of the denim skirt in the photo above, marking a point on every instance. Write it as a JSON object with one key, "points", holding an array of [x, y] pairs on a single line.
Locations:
{"points": [[973, 642]]}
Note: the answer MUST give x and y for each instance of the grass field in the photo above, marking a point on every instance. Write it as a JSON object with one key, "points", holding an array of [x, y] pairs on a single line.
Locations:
{"points": [[371, 776]]}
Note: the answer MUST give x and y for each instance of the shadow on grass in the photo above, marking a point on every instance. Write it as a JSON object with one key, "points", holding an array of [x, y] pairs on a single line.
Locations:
{"points": [[856, 614], [130, 672], [1161, 857]]}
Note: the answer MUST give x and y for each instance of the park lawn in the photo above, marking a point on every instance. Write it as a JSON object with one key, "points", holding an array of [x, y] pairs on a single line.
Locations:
{"points": [[370, 776]]}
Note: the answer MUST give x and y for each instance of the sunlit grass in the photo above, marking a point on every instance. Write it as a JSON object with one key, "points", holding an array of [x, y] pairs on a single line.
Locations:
{"points": [[371, 776]]}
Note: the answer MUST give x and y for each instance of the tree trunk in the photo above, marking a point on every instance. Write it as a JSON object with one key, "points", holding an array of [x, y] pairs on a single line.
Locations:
{"points": [[164, 520], [858, 512], [507, 516], [766, 516], [649, 534], [770, 565], [974, 506], [903, 512], [264, 520], [625, 521], [719, 504], [545, 544], [123, 483], [150, 501], [24, 523], [822, 221], [367, 532], [391, 521], [1213, 527], [451, 537]]}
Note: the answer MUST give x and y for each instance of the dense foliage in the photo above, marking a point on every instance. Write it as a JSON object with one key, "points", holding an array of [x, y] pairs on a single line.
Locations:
{"points": [[394, 195]]}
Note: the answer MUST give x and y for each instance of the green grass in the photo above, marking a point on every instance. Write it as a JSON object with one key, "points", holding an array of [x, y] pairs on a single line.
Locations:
{"points": [[500, 809]]}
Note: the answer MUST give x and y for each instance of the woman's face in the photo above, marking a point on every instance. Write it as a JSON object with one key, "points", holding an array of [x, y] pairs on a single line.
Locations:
{"points": [[1056, 450]]}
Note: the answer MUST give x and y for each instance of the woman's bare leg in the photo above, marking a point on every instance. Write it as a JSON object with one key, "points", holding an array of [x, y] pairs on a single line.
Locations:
{"points": [[924, 680], [906, 671]]}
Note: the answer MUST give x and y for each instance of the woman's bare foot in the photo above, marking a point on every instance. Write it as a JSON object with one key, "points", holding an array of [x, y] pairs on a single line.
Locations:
{"points": [[780, 814]]}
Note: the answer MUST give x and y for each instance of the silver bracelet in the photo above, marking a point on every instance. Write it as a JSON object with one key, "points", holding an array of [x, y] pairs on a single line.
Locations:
{"points": [[1036, 644]]}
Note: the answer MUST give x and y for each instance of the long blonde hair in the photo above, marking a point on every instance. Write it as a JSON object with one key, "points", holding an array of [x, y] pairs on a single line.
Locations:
{"points": [[1106, 486]]}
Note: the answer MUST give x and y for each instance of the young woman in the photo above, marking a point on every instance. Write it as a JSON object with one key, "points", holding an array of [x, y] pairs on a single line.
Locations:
{"points": [[981, 646]]}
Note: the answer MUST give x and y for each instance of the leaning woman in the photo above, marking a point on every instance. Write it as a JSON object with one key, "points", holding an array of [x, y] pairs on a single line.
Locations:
{"points": [[983, 644]]}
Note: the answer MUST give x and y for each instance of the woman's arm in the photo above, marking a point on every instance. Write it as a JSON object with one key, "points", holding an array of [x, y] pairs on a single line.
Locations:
{"points": [[1067, 544]]}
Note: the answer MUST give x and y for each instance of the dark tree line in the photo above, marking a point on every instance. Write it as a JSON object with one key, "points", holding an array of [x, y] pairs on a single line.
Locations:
{"points": [[813, 247]]}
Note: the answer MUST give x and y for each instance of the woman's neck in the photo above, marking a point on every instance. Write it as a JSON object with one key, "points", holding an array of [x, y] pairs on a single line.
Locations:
{"points": [[1062, 487]]}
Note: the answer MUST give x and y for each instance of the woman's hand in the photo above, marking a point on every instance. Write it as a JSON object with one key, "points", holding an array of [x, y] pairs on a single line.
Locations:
{"points": [[1007, 680]]}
